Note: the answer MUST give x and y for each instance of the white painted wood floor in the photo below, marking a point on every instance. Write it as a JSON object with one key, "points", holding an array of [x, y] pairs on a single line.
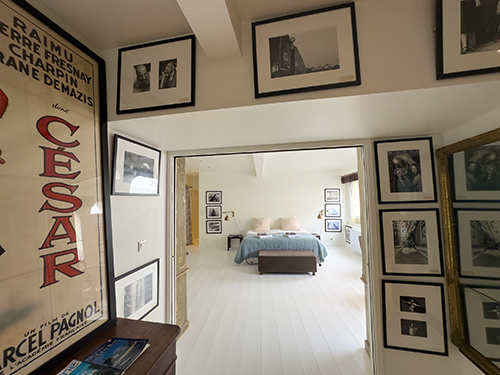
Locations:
{"points": [[243, 323]]}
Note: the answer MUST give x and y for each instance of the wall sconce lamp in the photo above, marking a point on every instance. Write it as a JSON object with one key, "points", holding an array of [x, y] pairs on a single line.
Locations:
{"points": [[227, 213], [321, 213]]}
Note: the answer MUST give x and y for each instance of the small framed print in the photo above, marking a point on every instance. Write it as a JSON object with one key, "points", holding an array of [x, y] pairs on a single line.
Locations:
{"points": [[333, 225], [332, 210], [314, 50], [214, 226], [137, 291], [156, 75], [478, 243], [214, 212], [136, 168], [213, 197], [476, 173], [467, 38], [482, 307], [332, 195], [405, 171], [414, 317], [411, 242]]}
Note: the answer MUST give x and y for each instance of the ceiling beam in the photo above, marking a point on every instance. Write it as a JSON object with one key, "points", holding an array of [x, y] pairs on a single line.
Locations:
{"points": [[217, 26], [258, 162]]}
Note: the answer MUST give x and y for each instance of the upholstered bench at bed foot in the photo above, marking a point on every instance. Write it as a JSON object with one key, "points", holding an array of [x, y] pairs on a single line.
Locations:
{"points": [[287, 261]]}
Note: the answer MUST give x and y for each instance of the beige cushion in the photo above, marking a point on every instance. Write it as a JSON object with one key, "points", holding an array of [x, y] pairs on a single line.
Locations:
{"points": [[261, 224], [289, 223]]}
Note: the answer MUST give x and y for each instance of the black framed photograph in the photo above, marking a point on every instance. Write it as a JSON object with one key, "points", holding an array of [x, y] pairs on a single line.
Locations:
{"points": [[309, 51], [137, 291], [156, 75], [467, 38], [411, 242], [333, 225], [482, 308], [214, 226], [332, 195], [213, 197], [478, 242], [57, 260], [414, 317], [405, 170], [332, 210], [476, 173], [136, 168], [214, 212]]}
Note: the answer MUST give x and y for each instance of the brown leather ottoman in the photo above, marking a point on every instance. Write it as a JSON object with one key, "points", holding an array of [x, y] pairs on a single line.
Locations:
{"points": [[287, 261]]}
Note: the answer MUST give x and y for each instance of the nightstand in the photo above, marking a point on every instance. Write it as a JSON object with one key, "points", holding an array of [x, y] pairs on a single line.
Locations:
{"points": [[230, 237]]}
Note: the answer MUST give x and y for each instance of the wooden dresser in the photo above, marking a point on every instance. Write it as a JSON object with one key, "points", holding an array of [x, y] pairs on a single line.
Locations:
{"points": [[158, 359]]}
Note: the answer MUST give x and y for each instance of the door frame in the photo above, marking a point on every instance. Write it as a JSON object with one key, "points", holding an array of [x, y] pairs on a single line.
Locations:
{"points": [[368, 223]]}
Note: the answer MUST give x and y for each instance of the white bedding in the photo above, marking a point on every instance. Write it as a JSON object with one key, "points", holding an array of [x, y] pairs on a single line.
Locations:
{"points": [[277, 231]]}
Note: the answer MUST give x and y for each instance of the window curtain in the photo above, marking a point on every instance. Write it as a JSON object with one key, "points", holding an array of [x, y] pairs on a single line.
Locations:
{"points": [[189, 233]]}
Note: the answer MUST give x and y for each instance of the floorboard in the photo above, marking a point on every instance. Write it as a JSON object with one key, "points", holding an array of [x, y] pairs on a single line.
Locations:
{"points": [[243, 323]]}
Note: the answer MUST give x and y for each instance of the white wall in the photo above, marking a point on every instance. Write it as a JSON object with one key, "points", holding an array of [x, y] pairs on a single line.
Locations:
{"points": [[277, 194], [138, 218]]}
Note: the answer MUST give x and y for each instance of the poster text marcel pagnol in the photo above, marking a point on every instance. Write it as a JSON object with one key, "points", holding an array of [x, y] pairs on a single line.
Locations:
{"points": [[52, 250]]}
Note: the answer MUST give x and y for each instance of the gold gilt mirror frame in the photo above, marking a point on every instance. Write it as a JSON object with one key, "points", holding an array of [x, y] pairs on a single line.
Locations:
{"points": [[469, 176]]}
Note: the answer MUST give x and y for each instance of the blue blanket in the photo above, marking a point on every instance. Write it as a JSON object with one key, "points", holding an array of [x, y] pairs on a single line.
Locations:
{"points": [[251, 245]]}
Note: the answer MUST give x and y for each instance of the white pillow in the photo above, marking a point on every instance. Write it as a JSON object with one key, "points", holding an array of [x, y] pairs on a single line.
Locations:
{"points": [[289, 223], [261, 224]]}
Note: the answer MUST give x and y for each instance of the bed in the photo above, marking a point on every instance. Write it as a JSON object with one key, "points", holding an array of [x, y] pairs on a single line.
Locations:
{"points": [[251, 245]]}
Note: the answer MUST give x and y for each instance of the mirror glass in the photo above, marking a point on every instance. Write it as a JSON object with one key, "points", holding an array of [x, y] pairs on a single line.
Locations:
{"points": [[469, 173]]}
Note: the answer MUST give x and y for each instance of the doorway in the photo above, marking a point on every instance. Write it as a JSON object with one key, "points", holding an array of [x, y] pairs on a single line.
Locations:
{"points": [[262, 168]]}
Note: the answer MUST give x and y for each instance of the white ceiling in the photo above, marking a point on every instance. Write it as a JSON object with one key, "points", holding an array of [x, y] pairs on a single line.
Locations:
{"points": [[344, 159], [109, 24]]}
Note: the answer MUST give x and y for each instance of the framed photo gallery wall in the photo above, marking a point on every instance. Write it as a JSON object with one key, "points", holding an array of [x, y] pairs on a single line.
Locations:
{"points": [[56, 261], [467, 38], [136, 168], [414, 317], [308, 51], [405, 171], [213, 200], [157, 75]]}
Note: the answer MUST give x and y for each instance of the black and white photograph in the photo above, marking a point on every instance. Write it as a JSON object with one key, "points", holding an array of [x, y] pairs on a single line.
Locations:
{"points": [[142, 80], [405, 170], [168, 74], [157, 75], [332, 210], [477, 173], [213, 197], [214, 212], [411, 242], [482, 307], [491, 310], [332, 195], [468, 37], [303, 52], [214, 226], [479, 243], [136, 168], [413, 328], [493, 336], [333, 225], [412, 304], [414, 317], [137, 291], [298, 53]]}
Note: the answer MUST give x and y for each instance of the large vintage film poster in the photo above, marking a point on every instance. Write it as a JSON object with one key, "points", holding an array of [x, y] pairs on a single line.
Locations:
{"points": [[54, 278]]}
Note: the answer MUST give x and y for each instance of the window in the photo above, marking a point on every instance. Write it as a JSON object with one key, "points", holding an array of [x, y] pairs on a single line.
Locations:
{"points": [[355, 203]]}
